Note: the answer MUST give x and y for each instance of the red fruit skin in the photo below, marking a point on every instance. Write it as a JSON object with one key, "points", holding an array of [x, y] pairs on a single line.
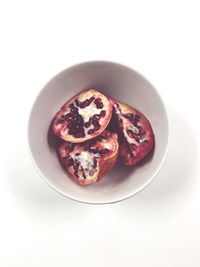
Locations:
{"points": [[104, 163], [132, 151], [61, 129]]}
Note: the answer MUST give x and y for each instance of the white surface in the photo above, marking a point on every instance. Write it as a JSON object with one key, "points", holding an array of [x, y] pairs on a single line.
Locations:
{"points": [[159, 226], [121, 83]]}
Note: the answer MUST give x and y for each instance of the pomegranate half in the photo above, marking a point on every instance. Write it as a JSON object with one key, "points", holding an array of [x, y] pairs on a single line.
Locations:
{"points": [[136, 136]]}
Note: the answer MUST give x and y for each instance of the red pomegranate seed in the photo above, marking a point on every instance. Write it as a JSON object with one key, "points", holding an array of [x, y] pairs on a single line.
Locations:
{"points": [[95, 123], [86, 103], [87, 124], [79, 134], [91, 99], [97, 127], [98, 103], [91, 131], [103, 113], [96, 117]]}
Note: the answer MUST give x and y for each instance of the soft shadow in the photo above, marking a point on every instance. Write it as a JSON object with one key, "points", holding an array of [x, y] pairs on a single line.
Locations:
{"points": [[175, 183], [53, 140], [33, 197]]}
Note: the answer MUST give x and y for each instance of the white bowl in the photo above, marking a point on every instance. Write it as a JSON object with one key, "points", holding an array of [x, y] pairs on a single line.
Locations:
{"points": [[117, 81]]}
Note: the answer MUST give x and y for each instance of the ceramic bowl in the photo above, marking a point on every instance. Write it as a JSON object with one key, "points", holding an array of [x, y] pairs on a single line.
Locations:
{"points": [[120, 82]]}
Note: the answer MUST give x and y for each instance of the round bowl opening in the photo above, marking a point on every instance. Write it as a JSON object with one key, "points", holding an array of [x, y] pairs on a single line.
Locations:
{"points": [[114, 80]]}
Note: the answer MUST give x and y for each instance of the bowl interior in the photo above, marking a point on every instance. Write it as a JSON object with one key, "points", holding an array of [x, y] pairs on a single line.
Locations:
{"points": [[121, 83]]}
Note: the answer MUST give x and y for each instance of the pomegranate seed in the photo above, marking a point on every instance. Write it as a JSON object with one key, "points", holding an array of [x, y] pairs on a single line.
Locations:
{"points": [[98, 103], [87, 124], [91, 120], [103, 113], [91, 131], [71, 132], [85, 103], [95, 123], [97, 100], [75, 127], [96, 128], [69, 123], [92, 99], [78, 119], [97, 116], [79, 135]]}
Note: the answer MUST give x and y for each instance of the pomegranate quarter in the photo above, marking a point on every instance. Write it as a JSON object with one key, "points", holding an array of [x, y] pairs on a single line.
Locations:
{"points": [[83, 117], [88, 162], [135, 133]]}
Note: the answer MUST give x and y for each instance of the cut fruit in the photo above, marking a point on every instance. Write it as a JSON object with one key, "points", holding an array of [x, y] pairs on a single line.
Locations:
{"points": [[88, 162], [83, 117], [136, 136]]}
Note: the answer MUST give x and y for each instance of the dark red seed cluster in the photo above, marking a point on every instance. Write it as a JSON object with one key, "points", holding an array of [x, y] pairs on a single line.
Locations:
{"points": [[98, 103], [94, 120], [75, 124], [134, 118], [85, 103], [102, 113], [75, 121], [76, 165]]}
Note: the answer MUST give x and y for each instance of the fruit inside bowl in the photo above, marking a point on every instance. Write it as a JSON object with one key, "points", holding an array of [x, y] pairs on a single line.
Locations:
{"points": [[114, 82], [94, 127]]}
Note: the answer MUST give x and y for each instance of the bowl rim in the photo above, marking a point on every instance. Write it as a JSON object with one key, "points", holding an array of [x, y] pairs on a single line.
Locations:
{"points": [[127, 196]]}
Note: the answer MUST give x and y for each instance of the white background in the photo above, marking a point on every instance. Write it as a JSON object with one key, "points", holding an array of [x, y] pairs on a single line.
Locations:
{"points": [[161, 225]]}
